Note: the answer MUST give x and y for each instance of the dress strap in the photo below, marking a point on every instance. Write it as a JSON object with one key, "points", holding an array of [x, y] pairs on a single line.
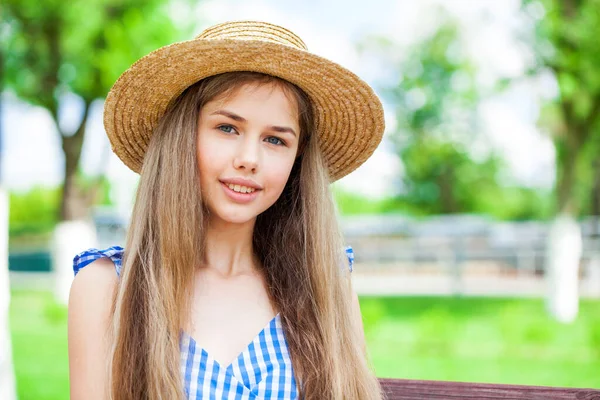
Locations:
{"points": [[114, 253]]}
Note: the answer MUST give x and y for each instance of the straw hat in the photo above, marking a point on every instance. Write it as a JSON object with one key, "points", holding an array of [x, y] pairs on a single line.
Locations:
{"points": [[348, 114]]}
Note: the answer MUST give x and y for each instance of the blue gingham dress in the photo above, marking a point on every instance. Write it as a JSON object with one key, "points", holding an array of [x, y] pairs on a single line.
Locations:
{"points": [[263, 370]]}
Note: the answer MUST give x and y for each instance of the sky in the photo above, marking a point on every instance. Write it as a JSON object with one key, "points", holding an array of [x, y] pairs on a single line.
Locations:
{"points": [[330, 28]]}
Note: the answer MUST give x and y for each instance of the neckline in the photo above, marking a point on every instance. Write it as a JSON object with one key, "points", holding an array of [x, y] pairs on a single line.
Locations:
{"points": [[273, 320]]}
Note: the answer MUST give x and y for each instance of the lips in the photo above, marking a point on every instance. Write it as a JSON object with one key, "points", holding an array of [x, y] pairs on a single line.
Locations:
{"points": [[239, 197], [241, 182]]}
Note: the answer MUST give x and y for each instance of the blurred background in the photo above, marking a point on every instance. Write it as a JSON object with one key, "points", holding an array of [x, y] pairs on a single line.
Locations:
{"points": [[475, 224]]}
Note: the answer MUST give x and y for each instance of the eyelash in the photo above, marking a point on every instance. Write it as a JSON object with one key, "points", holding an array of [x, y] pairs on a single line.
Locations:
{"points": [[280, 143], [220, 127]]}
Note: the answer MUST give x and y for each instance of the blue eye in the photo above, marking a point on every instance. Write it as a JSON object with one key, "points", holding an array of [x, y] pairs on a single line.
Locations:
{"points": [[226, 128], [275, 140]]}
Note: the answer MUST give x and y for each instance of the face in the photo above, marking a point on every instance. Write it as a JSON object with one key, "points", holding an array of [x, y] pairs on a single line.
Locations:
{"points": [[247, 144]]}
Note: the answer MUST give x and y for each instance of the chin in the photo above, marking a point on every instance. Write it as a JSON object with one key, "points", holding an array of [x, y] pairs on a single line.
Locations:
{"points": [[238, 218]]}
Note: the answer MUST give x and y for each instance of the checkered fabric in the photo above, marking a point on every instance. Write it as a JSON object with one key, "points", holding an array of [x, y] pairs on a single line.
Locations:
{"points": [[263, 370]]}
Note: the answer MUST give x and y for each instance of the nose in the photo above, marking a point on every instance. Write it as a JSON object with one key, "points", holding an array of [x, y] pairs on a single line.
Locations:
{"points": [[247, 156]]}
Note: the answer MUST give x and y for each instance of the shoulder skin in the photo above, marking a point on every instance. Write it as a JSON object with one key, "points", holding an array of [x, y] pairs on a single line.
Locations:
{"points": [[90, 302]]}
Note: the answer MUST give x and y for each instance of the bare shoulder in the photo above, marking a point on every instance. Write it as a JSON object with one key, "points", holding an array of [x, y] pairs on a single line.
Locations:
{"points": [[92, 290], [90, 303]]}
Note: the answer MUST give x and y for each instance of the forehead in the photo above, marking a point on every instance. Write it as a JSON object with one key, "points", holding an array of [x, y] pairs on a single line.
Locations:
{"points": [[257, 95]]}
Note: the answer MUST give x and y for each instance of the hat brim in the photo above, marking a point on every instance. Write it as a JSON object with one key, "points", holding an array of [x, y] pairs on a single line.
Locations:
{"points": [[348, 115]]}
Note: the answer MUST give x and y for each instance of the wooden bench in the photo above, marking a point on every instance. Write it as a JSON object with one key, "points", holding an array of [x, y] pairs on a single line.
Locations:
{"points": [[405, 389]]}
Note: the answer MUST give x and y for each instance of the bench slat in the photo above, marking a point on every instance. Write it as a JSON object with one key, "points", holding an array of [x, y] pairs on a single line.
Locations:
{"points": [[406, 389]]}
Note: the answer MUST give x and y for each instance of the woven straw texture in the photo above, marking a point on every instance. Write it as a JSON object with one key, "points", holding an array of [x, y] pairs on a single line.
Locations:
{"points": [[349, 116]]}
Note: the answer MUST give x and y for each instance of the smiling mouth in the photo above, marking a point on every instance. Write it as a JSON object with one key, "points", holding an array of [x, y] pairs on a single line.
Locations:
{"points": [[240, 188]]}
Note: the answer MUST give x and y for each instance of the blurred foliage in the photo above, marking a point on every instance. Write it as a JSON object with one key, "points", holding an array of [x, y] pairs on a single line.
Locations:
{"points": [[446, 166], [442, 178], [36, 211], [78, 46], [353, 203], [511, 203], [98, 187], [566, 43], [33, 212], [435, 96], [54, 47], [436, 99]]}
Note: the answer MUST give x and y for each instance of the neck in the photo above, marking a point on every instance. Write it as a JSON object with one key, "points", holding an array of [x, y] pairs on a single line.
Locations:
{"points": [[229, 249]]}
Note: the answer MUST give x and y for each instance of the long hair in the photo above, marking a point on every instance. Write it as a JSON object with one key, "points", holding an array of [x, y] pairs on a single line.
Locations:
{"points": [[297, 241]]}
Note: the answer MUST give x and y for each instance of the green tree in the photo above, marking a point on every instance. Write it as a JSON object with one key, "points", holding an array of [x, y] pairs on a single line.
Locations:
{"points": [[56, 47], [33, 212], [443, 178], [435, 98], [36, 211], [566, 43]]}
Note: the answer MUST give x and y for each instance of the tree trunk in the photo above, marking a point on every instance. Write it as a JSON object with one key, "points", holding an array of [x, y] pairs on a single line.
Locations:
{"points": [[567, 162], [564, 245], [562, 266], [445, 183], [73, 203], [75, 232]]}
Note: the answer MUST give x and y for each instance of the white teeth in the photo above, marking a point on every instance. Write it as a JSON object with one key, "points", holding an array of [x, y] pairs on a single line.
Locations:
{"points": [[240, 189]]}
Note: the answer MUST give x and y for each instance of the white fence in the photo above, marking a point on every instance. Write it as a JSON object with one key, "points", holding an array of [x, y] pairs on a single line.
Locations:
{"points": [[462, 255]]}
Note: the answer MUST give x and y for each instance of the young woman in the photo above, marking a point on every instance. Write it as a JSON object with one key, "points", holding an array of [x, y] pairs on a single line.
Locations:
{"points": [[234, 282]]}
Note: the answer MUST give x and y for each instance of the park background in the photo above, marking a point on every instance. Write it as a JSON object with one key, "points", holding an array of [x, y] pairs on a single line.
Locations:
{"points": [[487, 173]]}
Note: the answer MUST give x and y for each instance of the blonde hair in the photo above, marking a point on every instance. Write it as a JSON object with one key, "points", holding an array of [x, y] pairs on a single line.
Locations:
{"points": [[297, 241]]}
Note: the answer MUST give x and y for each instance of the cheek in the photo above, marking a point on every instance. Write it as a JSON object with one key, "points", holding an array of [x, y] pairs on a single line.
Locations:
{"points": [[278, 176], [207, 158]]}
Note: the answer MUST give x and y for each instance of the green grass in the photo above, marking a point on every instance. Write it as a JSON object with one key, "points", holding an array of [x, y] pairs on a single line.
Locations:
{"points": [[482, 340], [455, 339], [39, 340]]}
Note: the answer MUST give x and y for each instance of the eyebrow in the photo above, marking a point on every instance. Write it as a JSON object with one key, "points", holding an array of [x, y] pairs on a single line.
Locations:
{"points": [[238, 118]]}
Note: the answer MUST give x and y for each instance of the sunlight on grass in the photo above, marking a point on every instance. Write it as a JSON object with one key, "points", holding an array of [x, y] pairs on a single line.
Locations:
{"points": [[482, 340], [39, 338], [455, 339]]}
